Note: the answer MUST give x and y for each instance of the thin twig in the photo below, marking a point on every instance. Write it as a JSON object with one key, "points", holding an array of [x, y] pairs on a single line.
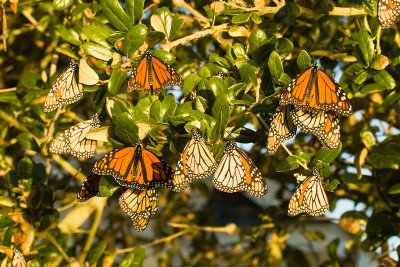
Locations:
{"points": [[14, 122], [69, 168], [53, 240], [197, 35], [93, 230], [12, 89], [4, 27], [230, 228], [194, 12]]}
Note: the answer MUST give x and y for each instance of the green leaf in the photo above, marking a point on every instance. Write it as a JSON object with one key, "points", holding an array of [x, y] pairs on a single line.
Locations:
{"points": [[190, 82], [27, 141], [25, 168], [168, 107], [134, 258], [134, 10], [155, 111], [368, 138], [241, 18], [98, 33], [134, 39], [201, 104], [372, 88], [9, 97], [331, 185], [177, 24], [31, 80], [256, 18], [98, 51], [275, 66], [96, 252], [126, 128], [115, 14], [385, 155], [303, 60], [304, 155], [289, 163], [381, 224], [154, 37], [395, 189], [108, 186], [287, 14], [248, 74], [384, 79], [87, 75], [69, 35], [283, 47], [239, 50], [5, 221], [117, 79], [62, 4], [166, 17], [327, 156], [165, 56], [7, 202], [257, 39], [366, 46]]}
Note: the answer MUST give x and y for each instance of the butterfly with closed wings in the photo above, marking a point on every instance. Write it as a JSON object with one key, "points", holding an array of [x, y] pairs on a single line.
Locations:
{"points": [[313, 90], [73, 141], [310, 197], [89, 188], [153, 75], [135, 167], [236, 171], [196, 162], [65, 90]]}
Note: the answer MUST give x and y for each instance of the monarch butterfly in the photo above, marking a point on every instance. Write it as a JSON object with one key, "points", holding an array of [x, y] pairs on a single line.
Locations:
{"points": [[314, 90], [89, 188], [324, 125], [65, 90], [282, 128], [388, 10], [237, 172], [197, 162], [310, 197], [18, 259], [153, 75], [139, 205], [135, 167], [73, 141]]}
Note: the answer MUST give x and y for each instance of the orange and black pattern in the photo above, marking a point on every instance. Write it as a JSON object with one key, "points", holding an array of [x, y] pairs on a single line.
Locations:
{"points": [[135, 167], [153, 75], [310, 197], [281, 129], [196, 162], [73, 141], [65, 90], [236, 171], [18, 259], [89, 188], [139, 205], [388, 10], [313, 90], [324, 125]]}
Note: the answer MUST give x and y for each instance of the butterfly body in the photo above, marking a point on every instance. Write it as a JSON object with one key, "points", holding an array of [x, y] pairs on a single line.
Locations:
{"points": [[313, 90], [153, 75], [282, 128], [135, 167], [65, 90], [196, 162], [73, 141], [310, 197], [236, 171], [139, 205]]}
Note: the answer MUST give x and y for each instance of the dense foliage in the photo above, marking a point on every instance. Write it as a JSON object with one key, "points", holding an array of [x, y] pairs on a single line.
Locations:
{"points": [[259, 46]]}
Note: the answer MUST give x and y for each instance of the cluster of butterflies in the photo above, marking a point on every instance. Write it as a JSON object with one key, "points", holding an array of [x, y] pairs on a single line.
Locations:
{"points": [[310, 102], [138, 171]]}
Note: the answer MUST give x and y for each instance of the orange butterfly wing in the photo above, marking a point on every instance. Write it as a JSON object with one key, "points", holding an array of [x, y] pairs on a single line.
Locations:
{"points": [[153, 75], [65, 90], [134, 167]]}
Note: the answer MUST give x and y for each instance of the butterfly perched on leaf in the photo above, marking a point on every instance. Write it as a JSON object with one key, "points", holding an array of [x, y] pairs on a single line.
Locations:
{"points": [[196, 162], [282, 128], [139, 205], [135, 167], [310, 197], [314, 90], [89, 188], [324, 125], [236, 171], [153, 75], [388, 10], [73, 141], [65, 90]]}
